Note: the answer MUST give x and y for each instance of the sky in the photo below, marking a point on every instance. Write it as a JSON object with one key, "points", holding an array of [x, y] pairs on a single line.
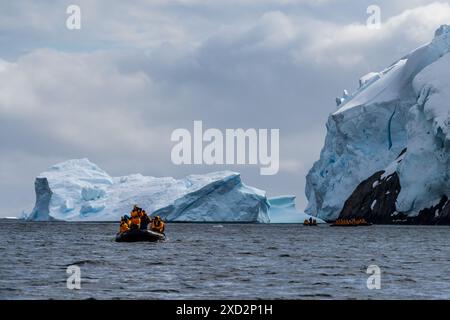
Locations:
{"points": [[114, 90]]}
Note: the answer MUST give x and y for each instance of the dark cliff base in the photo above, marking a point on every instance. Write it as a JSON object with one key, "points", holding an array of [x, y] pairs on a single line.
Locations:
{"points": [[374, 200], [436, 215]]}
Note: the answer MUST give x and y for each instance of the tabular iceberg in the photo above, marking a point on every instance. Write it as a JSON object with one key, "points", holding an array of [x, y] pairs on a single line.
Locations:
{"points": [[78, 190], [395, 128]]}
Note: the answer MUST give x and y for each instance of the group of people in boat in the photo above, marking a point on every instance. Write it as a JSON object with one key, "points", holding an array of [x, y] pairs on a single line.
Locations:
{"points": [[140, 220], [351, 222], [310, 222]]}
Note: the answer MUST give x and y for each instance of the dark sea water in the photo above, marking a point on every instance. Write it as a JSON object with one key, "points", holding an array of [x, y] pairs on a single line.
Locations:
{"points": [[229, 261]]}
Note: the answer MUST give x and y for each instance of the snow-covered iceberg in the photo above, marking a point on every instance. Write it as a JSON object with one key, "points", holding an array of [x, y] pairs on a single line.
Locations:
{"points": [[404, 107], [282, 210], [78, 190]]}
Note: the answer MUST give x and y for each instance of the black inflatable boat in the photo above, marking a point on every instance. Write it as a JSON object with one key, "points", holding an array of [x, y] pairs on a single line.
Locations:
{"points": [[139, 235], [365, 224]]}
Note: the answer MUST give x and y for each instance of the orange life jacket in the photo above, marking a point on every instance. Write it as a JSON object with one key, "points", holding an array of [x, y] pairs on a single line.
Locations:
{"points": [[162, 227], [134, 214], [136, 221], [158, 226], [123, 227]]}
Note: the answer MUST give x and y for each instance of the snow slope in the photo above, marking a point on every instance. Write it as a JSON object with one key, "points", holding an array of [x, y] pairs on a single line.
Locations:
{"points": [[404, 106], [78, 190], [424, 173]]}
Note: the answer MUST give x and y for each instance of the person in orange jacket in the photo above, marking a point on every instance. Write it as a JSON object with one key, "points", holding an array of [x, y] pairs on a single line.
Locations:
{"points": [[135, 219], [158, 225], [123, 225]]}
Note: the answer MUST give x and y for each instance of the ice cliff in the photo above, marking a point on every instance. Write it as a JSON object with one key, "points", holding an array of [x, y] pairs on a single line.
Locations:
{"points": [[395, 128], [78, 190]]}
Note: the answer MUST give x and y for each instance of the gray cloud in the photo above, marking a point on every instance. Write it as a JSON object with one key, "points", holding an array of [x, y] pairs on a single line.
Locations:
{"points": [[115, 90]]}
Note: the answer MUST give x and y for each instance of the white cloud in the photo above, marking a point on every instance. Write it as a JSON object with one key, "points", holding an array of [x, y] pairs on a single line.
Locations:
{"points": [[116, 90], [350, 44]]}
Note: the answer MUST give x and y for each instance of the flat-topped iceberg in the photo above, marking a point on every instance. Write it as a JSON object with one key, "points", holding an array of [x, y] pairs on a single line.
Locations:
{"points": [[78, 190]]}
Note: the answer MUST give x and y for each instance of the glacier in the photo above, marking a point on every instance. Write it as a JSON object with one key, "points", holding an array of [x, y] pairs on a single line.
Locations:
{"points": [[405, 108], [79, 190]]}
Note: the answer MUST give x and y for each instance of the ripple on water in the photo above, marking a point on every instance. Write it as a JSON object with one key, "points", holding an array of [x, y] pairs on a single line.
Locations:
{"points": [[202, 262]]}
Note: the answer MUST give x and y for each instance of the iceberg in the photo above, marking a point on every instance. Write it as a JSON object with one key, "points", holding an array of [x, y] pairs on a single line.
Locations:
{"points": [[282, 210], [404, 109], [78, 190]]}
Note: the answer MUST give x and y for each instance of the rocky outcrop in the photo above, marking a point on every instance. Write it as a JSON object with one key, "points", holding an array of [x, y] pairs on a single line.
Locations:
{"points": [[436, 215], [375, 200], [378, 204]]}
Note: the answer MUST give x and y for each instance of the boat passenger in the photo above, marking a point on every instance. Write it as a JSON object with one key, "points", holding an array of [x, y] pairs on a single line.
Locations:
{"points": [[157, 225], [145, 220], [123, 225], [135, 220]]}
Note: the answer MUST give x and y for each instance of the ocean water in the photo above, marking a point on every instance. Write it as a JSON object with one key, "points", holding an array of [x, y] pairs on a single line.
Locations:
{"points": [[229, 261]]}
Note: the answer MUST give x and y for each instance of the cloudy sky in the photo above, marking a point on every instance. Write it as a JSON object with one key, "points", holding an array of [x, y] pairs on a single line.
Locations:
{"points": [[116, 89]]}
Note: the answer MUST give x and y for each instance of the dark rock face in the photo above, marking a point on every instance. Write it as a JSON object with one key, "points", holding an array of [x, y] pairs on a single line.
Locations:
{"points": [[373, 199], [438, 214]]}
